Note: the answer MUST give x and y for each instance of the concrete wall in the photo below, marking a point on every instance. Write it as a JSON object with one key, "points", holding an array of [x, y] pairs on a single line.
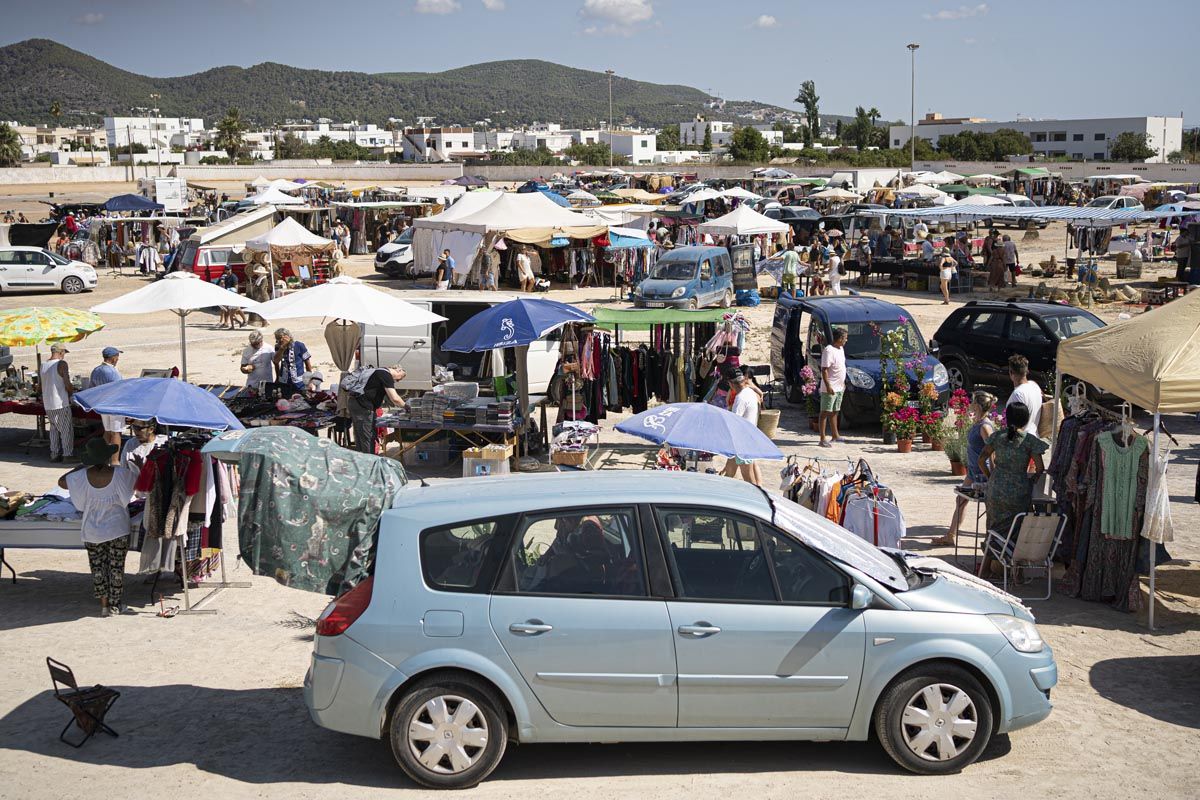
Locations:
{"points": [[29, 175], [383, 173]]}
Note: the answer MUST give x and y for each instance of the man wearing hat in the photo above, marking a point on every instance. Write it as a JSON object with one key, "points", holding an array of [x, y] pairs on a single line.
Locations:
{"points": [[55, 379], [106, 372]]}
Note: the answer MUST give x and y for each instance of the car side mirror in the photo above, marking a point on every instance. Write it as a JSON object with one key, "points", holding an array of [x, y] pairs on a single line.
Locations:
{"points": [[861, 597]]}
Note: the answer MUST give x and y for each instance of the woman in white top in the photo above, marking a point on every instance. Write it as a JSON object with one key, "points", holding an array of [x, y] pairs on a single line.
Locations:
{"points": [[102, 492], [835, 274], [947, 266]]}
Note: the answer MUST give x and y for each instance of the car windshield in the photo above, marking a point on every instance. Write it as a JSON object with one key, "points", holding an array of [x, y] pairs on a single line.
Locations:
{"points": [[56, 258], [863, 342], [1067, 325], [406, 237], [674, 270]]}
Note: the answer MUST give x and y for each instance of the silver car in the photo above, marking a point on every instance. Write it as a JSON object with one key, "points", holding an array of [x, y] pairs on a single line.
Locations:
{"points": [[660, 606]]}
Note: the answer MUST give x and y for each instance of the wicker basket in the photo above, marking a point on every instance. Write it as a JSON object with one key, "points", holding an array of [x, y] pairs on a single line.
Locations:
{"points": [[768, 421]]}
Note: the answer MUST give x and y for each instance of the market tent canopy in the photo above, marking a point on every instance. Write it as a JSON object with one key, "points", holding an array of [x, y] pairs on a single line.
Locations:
{"points": [[286, 185], [288, 233], [638, 195], [743, 221], [583, 197], [963, 188], [920, 190], [628, 237], [835, 194], [969, 210], [469, 204], [739, 193], [982, 178], [131, 202], [983, 200], [635, 319], [1152, 360], [260, 181], [275, 197], [526, 217], [441, 194], [1031, 172], [701, 196]]}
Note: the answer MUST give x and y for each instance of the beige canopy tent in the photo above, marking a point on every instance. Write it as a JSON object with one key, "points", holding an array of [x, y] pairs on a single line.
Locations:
{"points": [[1152, 361], [742, 221], [290, 241]]}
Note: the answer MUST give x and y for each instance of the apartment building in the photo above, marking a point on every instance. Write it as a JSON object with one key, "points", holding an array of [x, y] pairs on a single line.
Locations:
{"points": [[152, 132], [438, 144]]}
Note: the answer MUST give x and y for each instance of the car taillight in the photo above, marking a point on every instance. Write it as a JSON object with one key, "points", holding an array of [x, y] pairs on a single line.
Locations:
{"points": [[342, 612]]}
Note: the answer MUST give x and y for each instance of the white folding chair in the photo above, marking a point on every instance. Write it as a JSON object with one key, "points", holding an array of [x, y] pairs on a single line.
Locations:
{"points": [[1029, 544]]}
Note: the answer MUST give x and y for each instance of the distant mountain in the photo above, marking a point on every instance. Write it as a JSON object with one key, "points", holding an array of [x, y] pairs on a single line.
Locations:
{"points": [[37, 73]]}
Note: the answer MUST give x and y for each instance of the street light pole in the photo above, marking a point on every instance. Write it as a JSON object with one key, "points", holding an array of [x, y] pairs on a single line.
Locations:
{"points": [[912, 108], [609, 73], [157, 145]]}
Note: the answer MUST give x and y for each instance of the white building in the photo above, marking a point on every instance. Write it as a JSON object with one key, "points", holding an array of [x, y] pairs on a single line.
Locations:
{"points": [[153, 131], [693, 132], [364, 135], [638, 147], [1080, 139], [438, 144]]}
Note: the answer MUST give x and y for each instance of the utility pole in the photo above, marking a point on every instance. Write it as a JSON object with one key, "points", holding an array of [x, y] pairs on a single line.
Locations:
{"points": [[912, 108], [129, 136], [157, 145], [609, 73]]}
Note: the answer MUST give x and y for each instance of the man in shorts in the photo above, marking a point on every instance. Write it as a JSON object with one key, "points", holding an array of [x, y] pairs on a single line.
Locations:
{"points": [[833, 384], [106, 372], [791, 272]]}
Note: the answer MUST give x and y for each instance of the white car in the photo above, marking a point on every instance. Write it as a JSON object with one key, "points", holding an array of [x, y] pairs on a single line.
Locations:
{"points": [[396, 257], [36, 268], [1116, 201]]}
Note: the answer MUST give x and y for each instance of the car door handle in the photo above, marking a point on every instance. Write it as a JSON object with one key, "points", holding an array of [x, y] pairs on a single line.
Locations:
{"points": [[532, 627], [698, 630]]}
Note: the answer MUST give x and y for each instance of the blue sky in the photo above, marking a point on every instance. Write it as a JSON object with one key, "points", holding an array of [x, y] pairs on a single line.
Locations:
{"points": [[1049, 58]]}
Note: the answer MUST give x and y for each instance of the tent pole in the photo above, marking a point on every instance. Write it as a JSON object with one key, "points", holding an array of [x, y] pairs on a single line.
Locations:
{"points": [[1058, 389], [183, 343], [1153, 544], [522, 353]]}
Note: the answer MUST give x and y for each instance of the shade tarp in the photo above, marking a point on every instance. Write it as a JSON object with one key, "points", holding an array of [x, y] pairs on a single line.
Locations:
{"points": [[628, 237], [636, 319], [131, 202], [982, 179], [276, 197], [638, 195], [701, 196], [743, 221], [528, 217], [288, 233], [1152, 360]]}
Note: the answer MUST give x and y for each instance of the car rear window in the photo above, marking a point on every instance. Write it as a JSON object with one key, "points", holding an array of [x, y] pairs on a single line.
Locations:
{"points": [[453, 558]]}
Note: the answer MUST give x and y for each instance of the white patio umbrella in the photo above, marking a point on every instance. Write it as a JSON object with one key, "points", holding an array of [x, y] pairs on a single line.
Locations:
{"points": [[737, 192], [180, 292], [276, 197], [921, 190], [347, 300], [982, 179]]}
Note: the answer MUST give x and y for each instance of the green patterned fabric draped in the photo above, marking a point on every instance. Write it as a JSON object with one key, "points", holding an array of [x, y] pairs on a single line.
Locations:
{"points": [[309, 510]]}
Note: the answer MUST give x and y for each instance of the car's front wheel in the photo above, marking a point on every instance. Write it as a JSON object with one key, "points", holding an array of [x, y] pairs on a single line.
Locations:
{"points": [[934, 720], [72, 285], [727, 298], [449, 733]]}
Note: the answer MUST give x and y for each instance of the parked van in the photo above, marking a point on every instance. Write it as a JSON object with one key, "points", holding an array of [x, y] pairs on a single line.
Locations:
{"points": [[208, 250], [418, 349], [803, 327], [689, 277]]}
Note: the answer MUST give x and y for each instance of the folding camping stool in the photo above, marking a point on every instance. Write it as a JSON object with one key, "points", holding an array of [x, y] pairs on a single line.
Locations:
{"points": [[1031, 542], [88, 706]]}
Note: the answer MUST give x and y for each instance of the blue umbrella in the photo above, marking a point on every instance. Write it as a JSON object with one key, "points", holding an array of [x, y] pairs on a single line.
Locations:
{"points": [[513, 324], [701, 426], [169, 401]]}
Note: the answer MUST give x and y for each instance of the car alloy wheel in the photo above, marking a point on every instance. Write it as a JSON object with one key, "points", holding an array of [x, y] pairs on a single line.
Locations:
{"points": [[448, 734], [939, 722], [957, 373], [72, 285]]}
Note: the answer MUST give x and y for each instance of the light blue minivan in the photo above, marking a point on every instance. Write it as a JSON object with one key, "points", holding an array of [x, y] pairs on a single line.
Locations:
{"points": [[689, 277], [661, 607]]}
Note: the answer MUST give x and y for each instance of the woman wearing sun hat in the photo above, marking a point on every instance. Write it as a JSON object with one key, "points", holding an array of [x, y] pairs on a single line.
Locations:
{"points": [[101, 492]]}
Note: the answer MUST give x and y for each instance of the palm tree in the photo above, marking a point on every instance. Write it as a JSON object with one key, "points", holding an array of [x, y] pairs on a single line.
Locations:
{"points": [[55, 112], [229, 133], [10, 146]]}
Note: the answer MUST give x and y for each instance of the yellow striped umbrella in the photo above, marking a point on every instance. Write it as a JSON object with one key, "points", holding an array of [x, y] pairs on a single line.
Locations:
{"points": [[27, 327]]}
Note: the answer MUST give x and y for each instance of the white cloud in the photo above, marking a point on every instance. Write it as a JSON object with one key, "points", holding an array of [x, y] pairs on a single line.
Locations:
{"points": [[437, 6], [962, 12], [493, 5], [616, 16], [90, 18], [970, 40], [766, 21]]}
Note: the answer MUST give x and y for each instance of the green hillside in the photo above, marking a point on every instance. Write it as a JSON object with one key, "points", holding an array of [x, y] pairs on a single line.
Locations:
{"points": [[36, 73]]}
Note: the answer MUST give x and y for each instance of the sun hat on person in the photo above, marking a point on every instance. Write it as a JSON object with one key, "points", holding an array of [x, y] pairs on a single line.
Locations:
{"points": [[259, 270], [97, 453], [59, 348]]}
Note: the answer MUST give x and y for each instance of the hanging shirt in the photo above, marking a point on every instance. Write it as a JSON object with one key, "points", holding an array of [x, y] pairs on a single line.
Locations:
{"points": [[105, 510], [876, 521]]}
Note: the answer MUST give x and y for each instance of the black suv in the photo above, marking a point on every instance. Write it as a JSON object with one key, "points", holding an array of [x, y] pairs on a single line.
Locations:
{"points": [[975, 341]]}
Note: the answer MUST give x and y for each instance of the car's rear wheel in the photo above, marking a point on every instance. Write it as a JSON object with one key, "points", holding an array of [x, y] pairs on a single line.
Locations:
{"points": [[934, 720], [449, 733], [72, 285], [960, 376]]}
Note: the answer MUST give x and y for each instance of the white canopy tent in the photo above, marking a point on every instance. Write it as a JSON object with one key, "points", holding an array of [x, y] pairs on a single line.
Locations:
{"points": [[1151, 361], [582, 197], [742, 221], [835, 193], [738, 193], [179, 292], [983, 200], [260, 181], [920, 190], [288, 233], [439, 194], [287, 186], [983, 179], [701, 196], [432, 235], [276, 197]]}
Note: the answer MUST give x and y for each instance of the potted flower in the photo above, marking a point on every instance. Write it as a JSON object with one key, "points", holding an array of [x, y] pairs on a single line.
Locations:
{"points": [[955, 427], [927, 397], [931, 428], [905, 422], [892, 402], [808, 387]]}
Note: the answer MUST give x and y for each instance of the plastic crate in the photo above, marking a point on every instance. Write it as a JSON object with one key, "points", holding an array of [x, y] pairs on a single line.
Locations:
{"points": [[482, 467]]}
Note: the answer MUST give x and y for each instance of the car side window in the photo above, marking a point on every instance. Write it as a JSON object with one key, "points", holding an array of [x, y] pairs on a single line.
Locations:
{"points": [[988, 323], [9, 257], [576, 553], [453, 558], [706, 270], [802, 575], [1023, 329], [716, 556]]}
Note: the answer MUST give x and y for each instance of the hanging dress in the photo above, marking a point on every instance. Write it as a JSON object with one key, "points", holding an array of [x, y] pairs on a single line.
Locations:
{"points": [[1158, 526]]}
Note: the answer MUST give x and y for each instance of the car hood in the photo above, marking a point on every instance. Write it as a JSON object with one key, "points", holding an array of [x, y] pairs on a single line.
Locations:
{"points": [[659, 287], [948, 589], [871, 367], [392, 247]]}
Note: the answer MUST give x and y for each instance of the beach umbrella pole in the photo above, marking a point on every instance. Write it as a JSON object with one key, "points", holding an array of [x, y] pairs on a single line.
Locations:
{"points": [[522, 392], [183, 343], [1153, 544]]}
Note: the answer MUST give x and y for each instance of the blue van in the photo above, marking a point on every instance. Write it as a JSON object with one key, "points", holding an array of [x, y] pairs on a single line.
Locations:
{"points": [[803, 326], [688, 277]]}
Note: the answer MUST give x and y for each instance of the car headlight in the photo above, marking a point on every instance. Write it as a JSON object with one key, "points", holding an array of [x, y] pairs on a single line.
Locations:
{"points": [[638, 291], [859, 379], [679, 291], [1021, 634], [940, 376]]}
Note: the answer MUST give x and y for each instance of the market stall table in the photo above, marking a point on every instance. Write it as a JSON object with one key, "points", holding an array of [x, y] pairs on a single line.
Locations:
{"points": [[477, 434]]}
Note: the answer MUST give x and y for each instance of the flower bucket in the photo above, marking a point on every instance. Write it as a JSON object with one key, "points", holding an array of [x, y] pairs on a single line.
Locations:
{"points": [[889, 437], [904, 445], [958, 468]]}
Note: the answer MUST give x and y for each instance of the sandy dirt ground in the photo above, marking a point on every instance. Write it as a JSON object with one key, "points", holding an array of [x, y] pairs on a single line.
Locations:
{"points": [[211, 706]]}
